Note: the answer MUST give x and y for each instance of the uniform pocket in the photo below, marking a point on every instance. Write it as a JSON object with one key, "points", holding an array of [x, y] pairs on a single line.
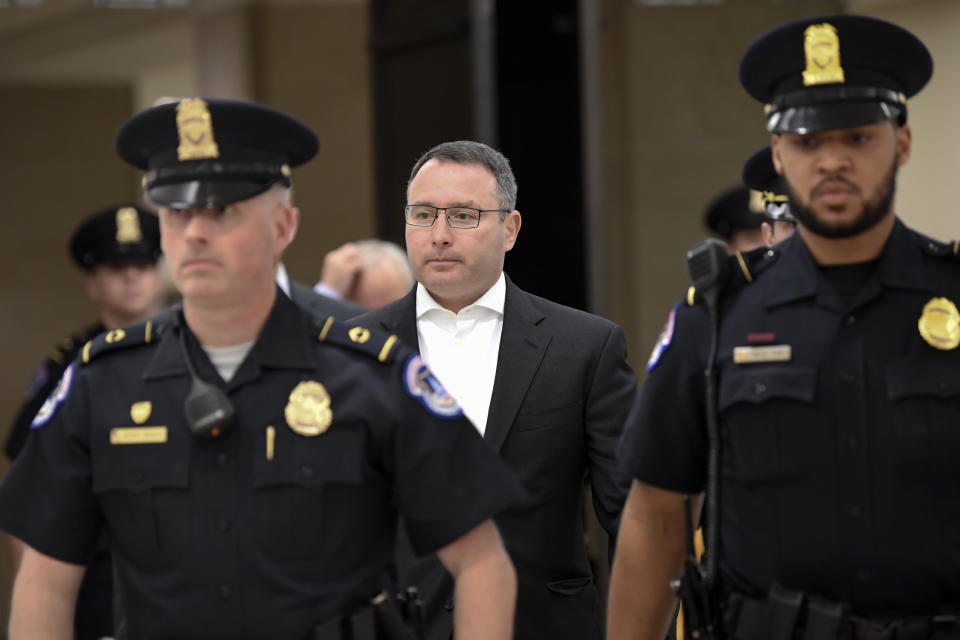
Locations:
{"points": [[142, 490], [925, 400], [765, 412], [303, 489]]}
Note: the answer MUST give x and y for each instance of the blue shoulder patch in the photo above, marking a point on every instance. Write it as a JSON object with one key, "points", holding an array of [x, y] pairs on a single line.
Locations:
{"points": [[666, 337], [59, 394], [421, 384]]}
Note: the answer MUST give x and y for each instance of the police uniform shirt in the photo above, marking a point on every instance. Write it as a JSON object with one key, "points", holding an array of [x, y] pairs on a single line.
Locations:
{"points": [[839, 443], [44, 380], [265, 532]]}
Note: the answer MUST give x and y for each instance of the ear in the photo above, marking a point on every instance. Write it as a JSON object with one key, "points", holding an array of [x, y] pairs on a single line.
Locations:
{"points": [[286, 221], [511, 229], [775, 151], [904, 142], [766, 230]]}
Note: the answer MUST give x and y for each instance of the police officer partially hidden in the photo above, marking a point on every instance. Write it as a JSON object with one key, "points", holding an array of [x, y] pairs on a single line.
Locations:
{"points": [[246, 460], [760, 175], [838, 392], [117, 248]]}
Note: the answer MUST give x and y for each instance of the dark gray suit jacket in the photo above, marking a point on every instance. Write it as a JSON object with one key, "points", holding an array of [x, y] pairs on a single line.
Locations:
{"points": [[320, 305], [561, 395]]}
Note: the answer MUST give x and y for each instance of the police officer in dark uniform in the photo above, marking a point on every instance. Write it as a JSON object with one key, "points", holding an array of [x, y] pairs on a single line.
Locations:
{"points": [[247, 460], [761, 177], [836, 374], [114, 246], [735, 216], [118, 249]]}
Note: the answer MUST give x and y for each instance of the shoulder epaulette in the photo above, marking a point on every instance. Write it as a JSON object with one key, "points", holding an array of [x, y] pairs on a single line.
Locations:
{"points": [[67, 349], [138, 334], [742, 269], [379, 345], [938, 248]]}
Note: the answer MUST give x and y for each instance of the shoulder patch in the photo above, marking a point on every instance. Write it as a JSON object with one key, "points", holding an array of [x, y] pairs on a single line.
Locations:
{"points": [[379, 345], [60, 393], [114, 339], [423, 386], [664, 340]]}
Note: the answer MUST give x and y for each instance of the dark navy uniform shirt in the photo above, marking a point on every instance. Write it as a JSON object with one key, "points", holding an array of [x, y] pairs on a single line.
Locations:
{"points": [[839, 466], [44, 380], [251, 535]]}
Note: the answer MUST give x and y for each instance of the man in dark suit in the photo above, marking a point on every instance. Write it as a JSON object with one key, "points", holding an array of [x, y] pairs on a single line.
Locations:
{"points": [[548, 386]]}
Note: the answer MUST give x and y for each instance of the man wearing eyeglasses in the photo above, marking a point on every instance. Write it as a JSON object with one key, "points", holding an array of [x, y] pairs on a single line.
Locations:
{"points": [[548, 386]]}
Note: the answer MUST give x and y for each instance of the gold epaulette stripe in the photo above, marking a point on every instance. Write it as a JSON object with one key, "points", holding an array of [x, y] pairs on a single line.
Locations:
{"points": [[86, 352], [385, 351], [146, 333], [743, 267], [326, 328], [956, 246], [691, 293]]}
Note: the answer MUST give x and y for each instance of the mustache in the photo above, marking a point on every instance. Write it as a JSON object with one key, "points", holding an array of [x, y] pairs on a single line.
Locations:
{"points": [[832, 180]]}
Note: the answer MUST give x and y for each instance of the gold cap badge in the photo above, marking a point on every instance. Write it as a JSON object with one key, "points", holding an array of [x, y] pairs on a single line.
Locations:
{"points": [[756, 204], [940, 324], [822, 48], [195, 129], [140, 411], [308, 410], [128, 225]]}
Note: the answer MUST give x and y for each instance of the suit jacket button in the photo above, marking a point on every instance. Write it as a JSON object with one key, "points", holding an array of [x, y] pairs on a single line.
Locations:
{"points": [[448, 605]]}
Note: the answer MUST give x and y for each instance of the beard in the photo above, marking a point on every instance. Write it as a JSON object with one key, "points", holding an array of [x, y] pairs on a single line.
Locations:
{"points": [[874, 210]]}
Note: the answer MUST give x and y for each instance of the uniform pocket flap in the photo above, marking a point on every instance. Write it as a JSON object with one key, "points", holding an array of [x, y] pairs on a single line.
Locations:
{"points": [[756, 385], [921, 380], [142, 467], [329, 457]]}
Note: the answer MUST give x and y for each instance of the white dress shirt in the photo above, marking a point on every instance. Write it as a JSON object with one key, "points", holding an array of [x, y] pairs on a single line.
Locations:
{"points": [[462, 348]]}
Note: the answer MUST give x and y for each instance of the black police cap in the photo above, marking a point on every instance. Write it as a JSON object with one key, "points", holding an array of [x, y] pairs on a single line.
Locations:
{"points": [[119, 235], [734, 210], [834, 72], [211, 153], [760, 175]]}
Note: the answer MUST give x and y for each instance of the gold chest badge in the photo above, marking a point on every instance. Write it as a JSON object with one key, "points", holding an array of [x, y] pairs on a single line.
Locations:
{"points": [[821, 46], [939, 324], [308, 409]]}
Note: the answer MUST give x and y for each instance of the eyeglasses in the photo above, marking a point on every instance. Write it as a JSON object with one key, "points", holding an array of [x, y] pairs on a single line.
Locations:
{"points": [[423, 215]]}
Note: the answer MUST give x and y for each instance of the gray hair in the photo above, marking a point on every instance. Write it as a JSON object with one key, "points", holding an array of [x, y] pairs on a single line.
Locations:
{"points": [[476, 153], [373, 251]]}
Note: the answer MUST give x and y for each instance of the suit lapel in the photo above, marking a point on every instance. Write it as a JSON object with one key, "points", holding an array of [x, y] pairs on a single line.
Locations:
{"points": [[523, 342], [401, 318]]}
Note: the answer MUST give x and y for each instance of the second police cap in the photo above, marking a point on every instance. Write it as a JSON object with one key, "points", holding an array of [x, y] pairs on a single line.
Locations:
{"points": [[834, 72], [211, 153], [734, 210], [121, 235], [761, 176]]}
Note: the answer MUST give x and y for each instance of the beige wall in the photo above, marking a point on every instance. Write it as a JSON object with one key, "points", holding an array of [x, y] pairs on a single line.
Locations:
{"points": [[925, 197]]}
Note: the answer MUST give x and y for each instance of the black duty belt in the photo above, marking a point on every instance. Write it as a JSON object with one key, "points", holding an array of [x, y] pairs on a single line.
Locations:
{"points": [[793, 615]]}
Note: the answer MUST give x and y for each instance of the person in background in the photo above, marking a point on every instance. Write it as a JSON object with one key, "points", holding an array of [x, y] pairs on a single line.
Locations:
{"points": [[735, 216], [370, 273], [761, 176], [118, 248]]}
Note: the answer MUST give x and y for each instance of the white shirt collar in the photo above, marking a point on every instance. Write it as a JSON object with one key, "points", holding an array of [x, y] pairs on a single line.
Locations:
{"points": [[493, 299], [283, 279]]}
